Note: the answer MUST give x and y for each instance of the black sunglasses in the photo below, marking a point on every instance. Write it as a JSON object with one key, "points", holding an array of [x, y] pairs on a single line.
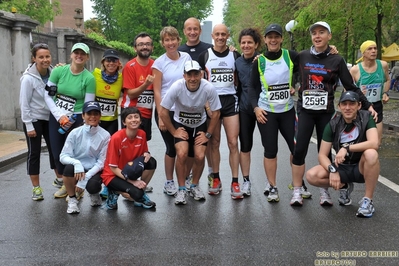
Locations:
{"points": [[111, 59]]}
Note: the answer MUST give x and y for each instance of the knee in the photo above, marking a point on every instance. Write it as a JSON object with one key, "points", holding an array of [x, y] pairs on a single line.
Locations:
{"points": [[182, 154], [199, 157], [312, 176], [233, 144], [370, 156], [69, 171]]}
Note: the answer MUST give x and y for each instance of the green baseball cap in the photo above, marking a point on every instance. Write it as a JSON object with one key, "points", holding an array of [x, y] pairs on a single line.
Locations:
{"points": [[81, 46]]}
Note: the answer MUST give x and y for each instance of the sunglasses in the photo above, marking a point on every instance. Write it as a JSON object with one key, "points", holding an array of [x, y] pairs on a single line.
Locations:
{"points": [[111, 60]]}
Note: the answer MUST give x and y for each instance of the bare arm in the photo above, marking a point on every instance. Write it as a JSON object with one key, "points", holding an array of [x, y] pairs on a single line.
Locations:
{"points": [[136, 92]]}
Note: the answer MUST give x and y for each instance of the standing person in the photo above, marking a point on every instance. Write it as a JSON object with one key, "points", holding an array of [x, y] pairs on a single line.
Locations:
{"points": [[272, 102], [194, 46], [394, 75], [249, 40], [128, 147], [218, 62], [108, 89], [69, 86], [83, 155], [35, 113], [354, 137], [371, 76], [166, 70], [319, 71], [137, 81], [189, 128]]}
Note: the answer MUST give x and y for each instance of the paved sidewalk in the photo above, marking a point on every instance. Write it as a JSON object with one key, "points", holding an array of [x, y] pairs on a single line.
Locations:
{"points": [[12, 147]]}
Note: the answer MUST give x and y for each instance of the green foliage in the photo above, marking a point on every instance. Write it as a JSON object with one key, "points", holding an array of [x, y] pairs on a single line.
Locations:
{"points": [[124, 19], [93, 25], [40, 10], [120, 46]]}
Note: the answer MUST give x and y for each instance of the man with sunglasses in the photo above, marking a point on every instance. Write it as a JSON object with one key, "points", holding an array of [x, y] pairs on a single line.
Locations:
{"points": [[137, 81]]}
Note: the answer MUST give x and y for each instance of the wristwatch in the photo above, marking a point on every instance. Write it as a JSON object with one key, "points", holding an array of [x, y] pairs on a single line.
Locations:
{"points": [[386, 93], [208, 135], [332, 169]]}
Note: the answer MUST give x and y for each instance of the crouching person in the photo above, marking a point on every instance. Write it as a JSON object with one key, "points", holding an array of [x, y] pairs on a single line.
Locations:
{"points": [[83, 155], [125, 146], [354, 137]]}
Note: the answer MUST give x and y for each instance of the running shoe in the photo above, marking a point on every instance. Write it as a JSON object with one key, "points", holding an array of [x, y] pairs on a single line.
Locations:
{"points": [[296, 199], [236, 191], [197, 193], [246, 188], [188, 182], [78, 195], [61, 193], [112, 200], [366, 208], [73, 206], [170, 188], [210, 178], [104, 193], [273, 195], [267, 188], [148, 189], [57, 183], [215, 185], [325, 198], [37, 193], [304, 190], [95, 200], [180, 197], [345, 195], [145, 202]]}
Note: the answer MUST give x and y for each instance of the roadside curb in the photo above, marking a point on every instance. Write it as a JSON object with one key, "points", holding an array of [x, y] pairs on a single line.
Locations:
{"points": [[15, 158]]}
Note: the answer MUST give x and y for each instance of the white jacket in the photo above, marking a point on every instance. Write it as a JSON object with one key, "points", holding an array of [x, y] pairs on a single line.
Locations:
{"points": [[31, 97], [85, 148]]}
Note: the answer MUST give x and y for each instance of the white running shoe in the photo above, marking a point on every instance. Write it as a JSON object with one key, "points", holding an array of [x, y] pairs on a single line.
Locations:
{"points": [[73, 206], [180, 197]]}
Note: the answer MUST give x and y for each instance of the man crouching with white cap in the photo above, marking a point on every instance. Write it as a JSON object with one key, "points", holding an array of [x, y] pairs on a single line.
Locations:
{"points": [[189, 128]]}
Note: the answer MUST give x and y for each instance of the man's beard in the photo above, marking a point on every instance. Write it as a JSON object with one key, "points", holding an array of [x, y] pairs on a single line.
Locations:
{"points": [[144, 54]]}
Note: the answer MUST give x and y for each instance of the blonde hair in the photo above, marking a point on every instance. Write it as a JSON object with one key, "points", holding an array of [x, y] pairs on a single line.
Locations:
{"points": [[171, 31]]}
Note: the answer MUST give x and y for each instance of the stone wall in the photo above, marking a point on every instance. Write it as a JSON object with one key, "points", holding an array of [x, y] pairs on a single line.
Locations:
{"points": [[16, 39]]}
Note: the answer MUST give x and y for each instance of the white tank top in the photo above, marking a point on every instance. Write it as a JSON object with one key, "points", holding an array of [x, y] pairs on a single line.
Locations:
{"points": [[221, 72]]}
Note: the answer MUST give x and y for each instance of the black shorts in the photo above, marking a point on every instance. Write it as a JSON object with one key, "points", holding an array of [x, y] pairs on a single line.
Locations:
{"points": [[378, 108], [192, 133], [229, 105], [350, 173], [146, 125]]}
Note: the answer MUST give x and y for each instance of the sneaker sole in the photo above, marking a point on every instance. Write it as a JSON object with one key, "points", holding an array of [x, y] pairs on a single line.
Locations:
{"points": [[361, 215], [345, 204], [213, 193], [169, 193], [237, 197], [73, 212], [273, 200], [143, 205], [197, 198], [296, 203], [246, 194], [326, 204], [306, 196], [38, 199], [180, 202]]}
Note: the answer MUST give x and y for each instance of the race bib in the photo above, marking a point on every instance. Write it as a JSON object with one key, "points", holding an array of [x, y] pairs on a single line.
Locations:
{"points": [[314, 99], [65, 103], [190, 119], [372, 92], [146, 99], [108, 106], [278, 94], [223, 76]]}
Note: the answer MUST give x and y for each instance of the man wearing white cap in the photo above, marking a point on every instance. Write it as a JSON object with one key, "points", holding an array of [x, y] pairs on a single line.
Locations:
{"points": [[371, 76], [189, 128]]}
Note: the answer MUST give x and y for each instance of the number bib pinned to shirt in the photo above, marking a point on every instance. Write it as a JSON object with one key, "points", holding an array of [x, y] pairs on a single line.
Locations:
{"points": [[146, 99], [224, 77], [108, 106], [278, 94], [190, 119], [314, 99], [65, 103], [372, 92]]}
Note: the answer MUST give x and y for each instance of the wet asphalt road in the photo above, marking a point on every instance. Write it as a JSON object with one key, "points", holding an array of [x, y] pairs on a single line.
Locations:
{"points": [[218, 231]]}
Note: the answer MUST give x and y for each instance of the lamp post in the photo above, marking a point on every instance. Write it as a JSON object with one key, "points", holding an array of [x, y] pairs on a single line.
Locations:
{"points": [[289, 27], [78, 19]]}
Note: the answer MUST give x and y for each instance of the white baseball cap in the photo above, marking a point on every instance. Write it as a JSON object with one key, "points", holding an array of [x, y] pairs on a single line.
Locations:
{"points": [[191, 65], [320, 23]]}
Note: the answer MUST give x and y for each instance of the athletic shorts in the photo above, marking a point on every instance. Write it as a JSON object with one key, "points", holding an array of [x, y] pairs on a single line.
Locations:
{"points": [[229, 105], [378, 108], [192, 133], [350, 173]]}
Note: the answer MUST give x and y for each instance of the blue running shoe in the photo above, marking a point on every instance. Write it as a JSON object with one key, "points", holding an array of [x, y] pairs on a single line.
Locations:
{"points": [[366, 208], [145, 202], [104, 193], [112, 201]]}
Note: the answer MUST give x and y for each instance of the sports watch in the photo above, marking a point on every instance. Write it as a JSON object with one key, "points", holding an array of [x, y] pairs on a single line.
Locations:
{"points": [[208, 135], [332, 169]]}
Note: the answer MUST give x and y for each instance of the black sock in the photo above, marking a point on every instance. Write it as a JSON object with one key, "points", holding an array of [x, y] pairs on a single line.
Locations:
{"points": [[215, 175], [246, 178], [234, 180], [74, 196]]}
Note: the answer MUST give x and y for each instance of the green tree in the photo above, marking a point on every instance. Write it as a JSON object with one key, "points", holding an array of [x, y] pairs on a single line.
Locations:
{"points": [[123, 19], [40, 10], [93, 25]]}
